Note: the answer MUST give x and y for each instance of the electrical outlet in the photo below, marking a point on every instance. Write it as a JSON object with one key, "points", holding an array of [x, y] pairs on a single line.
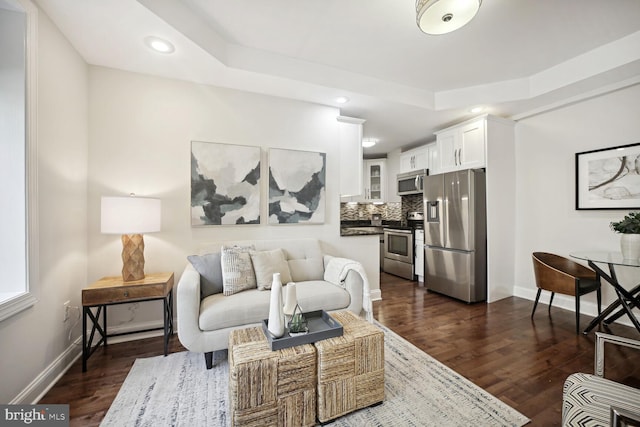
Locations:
{"points": [[67, 307]]}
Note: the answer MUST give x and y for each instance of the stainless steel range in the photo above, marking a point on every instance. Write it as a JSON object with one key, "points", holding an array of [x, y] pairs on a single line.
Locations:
{"points": [[399, 247]]}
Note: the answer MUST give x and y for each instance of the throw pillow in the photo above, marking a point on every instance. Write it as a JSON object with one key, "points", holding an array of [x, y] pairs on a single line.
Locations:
{"points": [[210, 273], [266, 263], [237, 271]]}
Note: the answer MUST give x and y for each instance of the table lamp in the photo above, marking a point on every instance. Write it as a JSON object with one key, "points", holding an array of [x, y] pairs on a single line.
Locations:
{"points": [[130, 217]]}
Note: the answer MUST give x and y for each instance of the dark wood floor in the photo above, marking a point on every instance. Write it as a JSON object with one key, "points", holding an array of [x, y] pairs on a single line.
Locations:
{"points": [[497, 346]]}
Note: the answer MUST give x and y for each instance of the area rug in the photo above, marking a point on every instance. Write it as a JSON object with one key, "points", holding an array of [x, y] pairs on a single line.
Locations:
{"points": [[177, 390]]}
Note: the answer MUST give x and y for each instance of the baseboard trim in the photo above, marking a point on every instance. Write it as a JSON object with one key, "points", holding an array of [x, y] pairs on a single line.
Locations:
{"points": [[51, 374], [32, 394], [375, 295], [565, 302], [131, 328]]}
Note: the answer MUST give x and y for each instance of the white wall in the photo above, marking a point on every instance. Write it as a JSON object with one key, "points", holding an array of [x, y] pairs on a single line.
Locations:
{"points": [[393, 169], [546, 219], [34, 344], [140, 133]]}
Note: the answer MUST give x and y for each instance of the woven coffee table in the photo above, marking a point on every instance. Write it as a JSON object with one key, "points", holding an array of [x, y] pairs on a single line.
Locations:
{"points": [[270, 388], [350, 368]]}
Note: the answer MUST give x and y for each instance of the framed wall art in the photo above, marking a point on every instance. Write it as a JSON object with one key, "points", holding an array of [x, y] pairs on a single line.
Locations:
{"points": [[296, 186], [608, 178], [225, 184]]}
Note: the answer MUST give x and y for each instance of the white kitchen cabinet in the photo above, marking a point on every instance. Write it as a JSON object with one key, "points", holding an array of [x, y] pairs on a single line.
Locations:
{"points": [[392, 169], [418, 158], [351, 170], [418, 253], [433, 158], [415, 159], [462, 147], [375, 181]]}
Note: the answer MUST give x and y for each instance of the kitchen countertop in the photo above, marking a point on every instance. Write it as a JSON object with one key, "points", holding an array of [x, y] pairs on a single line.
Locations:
{"points": [[360, 231], [364, 228]]}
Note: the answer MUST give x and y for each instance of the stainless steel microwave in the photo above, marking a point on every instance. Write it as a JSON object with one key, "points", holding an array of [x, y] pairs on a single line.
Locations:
{"points": [[411, 182]]}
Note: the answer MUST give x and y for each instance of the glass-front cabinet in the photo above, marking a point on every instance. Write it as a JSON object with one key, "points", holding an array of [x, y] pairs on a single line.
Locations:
{"points": [[375, 181]]}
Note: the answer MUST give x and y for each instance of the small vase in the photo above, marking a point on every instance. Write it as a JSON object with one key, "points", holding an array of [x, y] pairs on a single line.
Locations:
{"points": [[276, 315], [630, 246], [291, 299]]}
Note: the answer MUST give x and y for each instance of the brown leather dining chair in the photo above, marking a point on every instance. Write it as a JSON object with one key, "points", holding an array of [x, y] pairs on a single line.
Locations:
{"points": [[558, 274]]}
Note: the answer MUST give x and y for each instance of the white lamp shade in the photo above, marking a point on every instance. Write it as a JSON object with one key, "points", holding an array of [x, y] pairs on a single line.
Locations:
{"points": [[444, 16], [130, 215]]}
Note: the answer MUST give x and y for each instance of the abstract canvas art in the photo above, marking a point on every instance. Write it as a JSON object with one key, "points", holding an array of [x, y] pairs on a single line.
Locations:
{"points": [[608, 178], [296, 186], [225, 184]]}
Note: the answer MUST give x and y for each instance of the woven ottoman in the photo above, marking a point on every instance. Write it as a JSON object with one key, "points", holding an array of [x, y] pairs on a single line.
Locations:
{"points": [[350, 368], [270, 388]]}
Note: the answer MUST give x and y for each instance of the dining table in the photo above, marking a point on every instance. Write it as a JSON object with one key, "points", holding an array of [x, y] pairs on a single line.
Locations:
{"points": [[627, 299]]}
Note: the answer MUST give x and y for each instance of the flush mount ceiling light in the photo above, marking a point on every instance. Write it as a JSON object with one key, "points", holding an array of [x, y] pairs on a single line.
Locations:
{"points": [[342, 100], [159, 45], [369, 142], [444, 16]]}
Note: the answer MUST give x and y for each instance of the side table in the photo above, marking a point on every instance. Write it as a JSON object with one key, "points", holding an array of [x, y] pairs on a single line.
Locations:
{"points": [[113, 290]]}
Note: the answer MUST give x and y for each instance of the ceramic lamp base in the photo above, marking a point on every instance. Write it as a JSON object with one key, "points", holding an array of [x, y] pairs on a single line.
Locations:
{"points": [[132, 257]]}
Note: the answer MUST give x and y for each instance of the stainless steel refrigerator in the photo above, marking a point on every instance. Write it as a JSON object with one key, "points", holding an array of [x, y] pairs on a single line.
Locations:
{"points": [[455, 234]]}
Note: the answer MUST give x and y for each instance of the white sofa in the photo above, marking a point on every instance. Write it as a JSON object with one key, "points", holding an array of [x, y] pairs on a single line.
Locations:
{"points": [[204, 324]]}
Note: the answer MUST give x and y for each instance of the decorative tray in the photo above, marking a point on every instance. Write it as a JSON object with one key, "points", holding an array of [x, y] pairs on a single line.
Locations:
{"points": [[321, 326]]}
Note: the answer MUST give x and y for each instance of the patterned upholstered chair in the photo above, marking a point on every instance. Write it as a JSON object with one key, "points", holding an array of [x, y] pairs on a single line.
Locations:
{"points": [[592, 400]]}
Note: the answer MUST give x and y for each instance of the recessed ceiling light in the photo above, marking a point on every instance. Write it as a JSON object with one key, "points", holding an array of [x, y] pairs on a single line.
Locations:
{"points": [[159, 45], [369, 142], [476, 110], [342, 100]]}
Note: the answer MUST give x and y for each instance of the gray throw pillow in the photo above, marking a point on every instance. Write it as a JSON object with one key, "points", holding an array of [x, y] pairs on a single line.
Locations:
{"points": [[210, 271]]}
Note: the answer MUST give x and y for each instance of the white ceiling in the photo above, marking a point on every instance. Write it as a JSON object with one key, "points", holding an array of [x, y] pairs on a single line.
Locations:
{"points": [[517, 57]]}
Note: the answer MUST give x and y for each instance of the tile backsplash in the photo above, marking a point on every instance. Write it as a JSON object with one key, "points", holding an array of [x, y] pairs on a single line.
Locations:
{"points": [[393, 211], [363, 211], [411, 203]]}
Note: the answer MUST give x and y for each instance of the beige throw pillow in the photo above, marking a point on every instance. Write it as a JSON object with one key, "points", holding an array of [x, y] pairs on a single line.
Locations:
{"points": [[266, 263], [237, 271]]}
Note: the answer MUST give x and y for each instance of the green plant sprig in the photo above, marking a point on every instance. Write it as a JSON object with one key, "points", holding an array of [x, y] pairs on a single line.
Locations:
{"points": [[630, 224]]}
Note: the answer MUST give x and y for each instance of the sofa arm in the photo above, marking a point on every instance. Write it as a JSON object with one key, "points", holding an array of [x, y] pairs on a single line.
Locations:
{"points": [[354, 284], [188, 306], [351, 275]]}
